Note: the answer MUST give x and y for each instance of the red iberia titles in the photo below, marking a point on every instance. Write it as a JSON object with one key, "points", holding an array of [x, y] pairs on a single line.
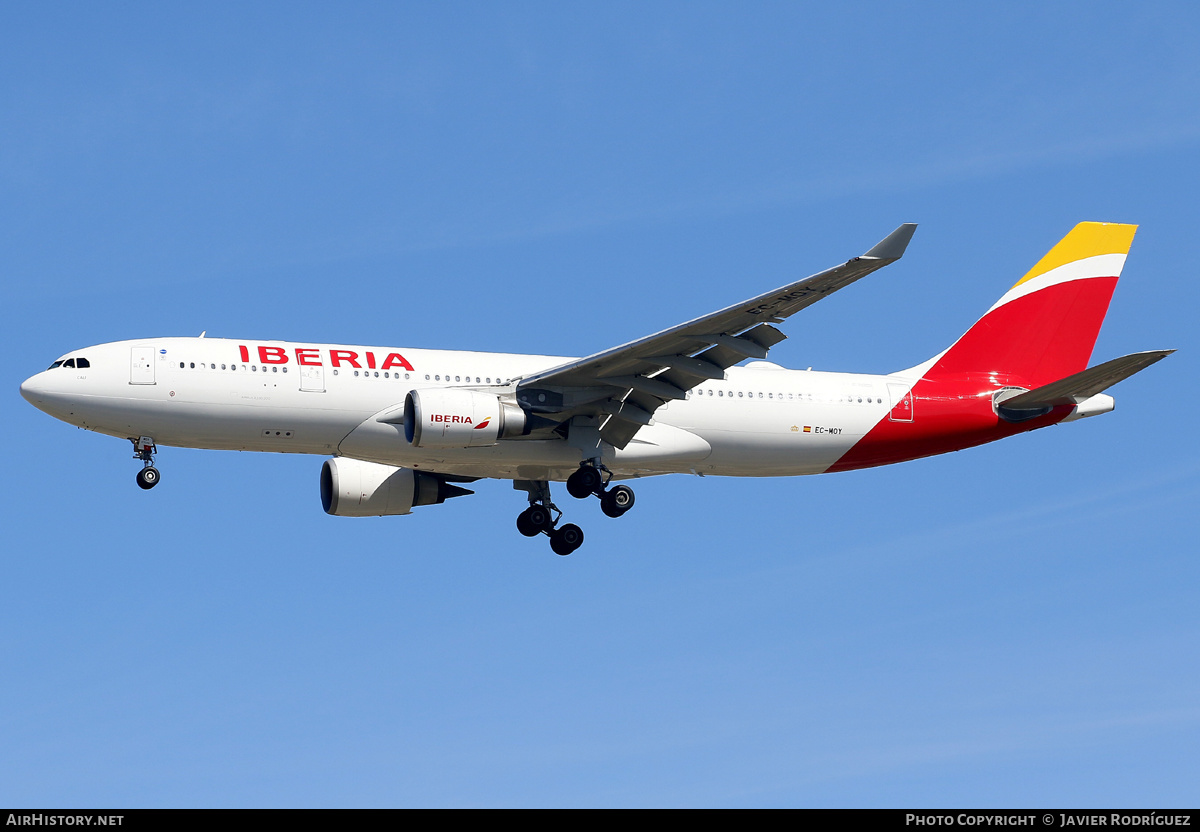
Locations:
{"points": [[317, 357]]}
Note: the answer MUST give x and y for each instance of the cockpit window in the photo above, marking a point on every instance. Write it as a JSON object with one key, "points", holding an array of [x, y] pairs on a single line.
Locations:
{"points": [[74, 363]]}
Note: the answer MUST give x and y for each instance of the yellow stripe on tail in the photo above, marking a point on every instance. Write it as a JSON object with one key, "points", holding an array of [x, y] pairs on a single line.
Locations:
{"points": [[1087, 239]]}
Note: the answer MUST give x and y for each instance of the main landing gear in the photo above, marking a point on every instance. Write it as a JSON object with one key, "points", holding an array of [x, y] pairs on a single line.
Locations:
{"points": [[144, 449], [542, 516], [589, 480]]}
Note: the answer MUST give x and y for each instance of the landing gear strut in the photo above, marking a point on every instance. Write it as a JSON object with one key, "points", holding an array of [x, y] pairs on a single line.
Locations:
{"points": [[589, 479], [144, 449], [540, 518]]}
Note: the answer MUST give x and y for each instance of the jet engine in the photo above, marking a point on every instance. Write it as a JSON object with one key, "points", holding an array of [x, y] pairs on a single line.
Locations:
{"points": [[353, 488], [448, 418]]}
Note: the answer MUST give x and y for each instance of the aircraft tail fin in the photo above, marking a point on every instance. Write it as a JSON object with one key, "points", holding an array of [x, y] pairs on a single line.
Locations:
{"points": [[1044, 328]]}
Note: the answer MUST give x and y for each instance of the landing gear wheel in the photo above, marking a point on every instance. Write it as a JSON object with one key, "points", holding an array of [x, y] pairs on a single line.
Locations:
{"points": [[525, 526], [617, 500], [566, 539], [540, 518], [533, 521], [584, 482], [148, 477]]}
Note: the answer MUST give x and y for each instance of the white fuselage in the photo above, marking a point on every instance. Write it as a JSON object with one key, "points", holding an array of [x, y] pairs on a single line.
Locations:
{"points": [[761, 420]]}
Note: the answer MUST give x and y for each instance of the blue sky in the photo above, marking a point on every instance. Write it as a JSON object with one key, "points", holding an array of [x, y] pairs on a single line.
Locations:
{"points": [[1013, 625]]}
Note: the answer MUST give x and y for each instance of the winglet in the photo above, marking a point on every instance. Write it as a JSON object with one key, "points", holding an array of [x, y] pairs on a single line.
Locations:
{"points": [[893, 245]]}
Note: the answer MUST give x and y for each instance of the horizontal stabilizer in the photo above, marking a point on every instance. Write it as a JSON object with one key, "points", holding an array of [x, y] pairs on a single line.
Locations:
{"points": [[1081, 386]]}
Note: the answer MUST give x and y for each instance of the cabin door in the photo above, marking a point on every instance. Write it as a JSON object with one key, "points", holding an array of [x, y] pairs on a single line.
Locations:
{"points": [[141, 365], [902, 403], [312, 379]]}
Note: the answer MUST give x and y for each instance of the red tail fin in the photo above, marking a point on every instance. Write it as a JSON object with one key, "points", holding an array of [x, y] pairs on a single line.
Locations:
{"points": [[1045, 326]]}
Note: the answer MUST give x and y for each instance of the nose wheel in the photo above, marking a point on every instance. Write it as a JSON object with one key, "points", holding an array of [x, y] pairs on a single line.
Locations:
{"points": [[147, 478], [144, 449]]}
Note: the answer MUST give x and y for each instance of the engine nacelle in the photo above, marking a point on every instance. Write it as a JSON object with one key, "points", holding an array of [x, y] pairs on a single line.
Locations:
{"points": [[353, 488], [449, 418]]}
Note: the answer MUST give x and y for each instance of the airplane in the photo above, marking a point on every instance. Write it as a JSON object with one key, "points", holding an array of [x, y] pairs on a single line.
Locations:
{"points": [[406, 427]]}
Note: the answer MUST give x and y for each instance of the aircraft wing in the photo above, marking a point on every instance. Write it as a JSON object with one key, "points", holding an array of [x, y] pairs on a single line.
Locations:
{"points": [[623, 386]]}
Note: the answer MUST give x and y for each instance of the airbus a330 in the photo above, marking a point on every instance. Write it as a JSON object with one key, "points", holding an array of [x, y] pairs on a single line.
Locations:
{"points": [[407, 427]]}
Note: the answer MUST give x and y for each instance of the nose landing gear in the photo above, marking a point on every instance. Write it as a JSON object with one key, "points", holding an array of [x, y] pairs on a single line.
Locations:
{"points": [[144, 449]]}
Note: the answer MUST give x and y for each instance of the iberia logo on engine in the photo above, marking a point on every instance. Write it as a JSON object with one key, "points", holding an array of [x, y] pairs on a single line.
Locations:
{"points": [[446, 417]]}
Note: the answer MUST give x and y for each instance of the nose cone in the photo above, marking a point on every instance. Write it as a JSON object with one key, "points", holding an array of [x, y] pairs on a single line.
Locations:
{"points": [[32, 390], [40, 392]]}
